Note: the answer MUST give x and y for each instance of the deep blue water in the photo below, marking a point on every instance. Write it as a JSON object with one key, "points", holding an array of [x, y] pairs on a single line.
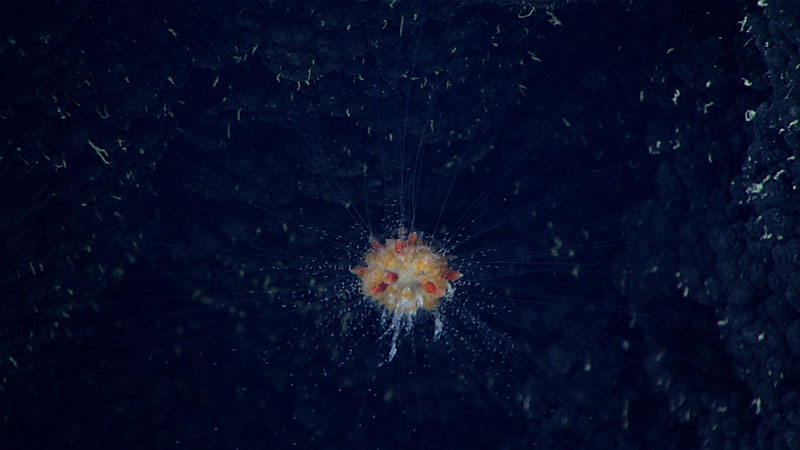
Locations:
{"points": [[190, 185]]}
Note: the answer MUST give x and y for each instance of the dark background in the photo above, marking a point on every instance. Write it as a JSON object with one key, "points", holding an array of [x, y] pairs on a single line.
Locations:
{"points": [[175, 249]]}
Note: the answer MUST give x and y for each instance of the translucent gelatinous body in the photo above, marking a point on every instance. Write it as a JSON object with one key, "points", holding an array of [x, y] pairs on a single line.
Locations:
{"points": [[404, 275]]}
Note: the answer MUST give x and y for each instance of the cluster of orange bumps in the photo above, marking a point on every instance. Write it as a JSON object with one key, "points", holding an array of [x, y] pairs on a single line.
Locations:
{"points": [[404, 275]]}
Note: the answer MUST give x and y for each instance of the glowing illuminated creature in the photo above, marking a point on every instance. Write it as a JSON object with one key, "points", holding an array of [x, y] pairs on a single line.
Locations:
{"points": [[404, 275]]}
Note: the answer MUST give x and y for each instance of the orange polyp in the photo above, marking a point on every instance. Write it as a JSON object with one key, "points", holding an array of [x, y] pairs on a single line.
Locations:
{"points": [[359, 270], [451, 275], [433, 289], [379, 288], [390, 277], [404, 275]]}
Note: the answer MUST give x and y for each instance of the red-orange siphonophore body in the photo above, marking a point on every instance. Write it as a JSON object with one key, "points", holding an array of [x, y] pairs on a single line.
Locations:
{"points": [[404, 275]]}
